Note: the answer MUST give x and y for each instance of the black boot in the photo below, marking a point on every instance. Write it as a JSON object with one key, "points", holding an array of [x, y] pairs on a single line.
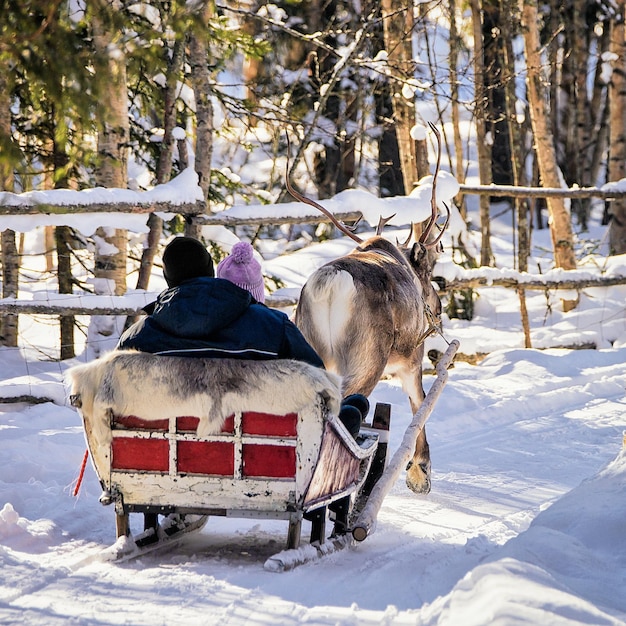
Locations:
{"points": [[359, 401], [351, 418]]}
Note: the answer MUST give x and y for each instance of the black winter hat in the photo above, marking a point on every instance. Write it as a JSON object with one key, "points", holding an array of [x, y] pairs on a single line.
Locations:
{"points": [[185, 258]]}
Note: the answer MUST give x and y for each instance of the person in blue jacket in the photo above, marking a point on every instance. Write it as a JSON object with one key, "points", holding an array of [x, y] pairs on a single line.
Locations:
{"points": [[203, 316]]}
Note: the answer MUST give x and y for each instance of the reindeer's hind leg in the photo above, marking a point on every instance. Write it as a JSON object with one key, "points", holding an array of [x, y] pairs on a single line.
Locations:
{"points": [[361, 375]]}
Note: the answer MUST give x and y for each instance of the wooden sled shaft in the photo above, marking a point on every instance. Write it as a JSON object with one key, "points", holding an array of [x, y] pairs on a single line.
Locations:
{"points": [[367, 519]]}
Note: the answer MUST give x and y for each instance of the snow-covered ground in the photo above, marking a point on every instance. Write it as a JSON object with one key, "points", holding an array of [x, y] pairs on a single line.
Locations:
{"points": [[525, 524]]}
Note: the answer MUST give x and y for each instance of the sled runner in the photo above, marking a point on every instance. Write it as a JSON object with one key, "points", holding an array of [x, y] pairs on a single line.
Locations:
{"points": [[189, 438]]}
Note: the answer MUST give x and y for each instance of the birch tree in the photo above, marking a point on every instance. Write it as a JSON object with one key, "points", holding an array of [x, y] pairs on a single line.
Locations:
{"points": [[617, 106], [560, 222], [10, 257]]}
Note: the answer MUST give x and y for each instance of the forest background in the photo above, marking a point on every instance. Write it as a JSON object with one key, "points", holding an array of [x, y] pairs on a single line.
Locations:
{"points": [[130, 94]]}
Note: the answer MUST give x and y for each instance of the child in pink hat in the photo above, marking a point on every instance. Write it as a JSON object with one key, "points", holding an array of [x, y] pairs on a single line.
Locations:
{"points": [[242, 269]]}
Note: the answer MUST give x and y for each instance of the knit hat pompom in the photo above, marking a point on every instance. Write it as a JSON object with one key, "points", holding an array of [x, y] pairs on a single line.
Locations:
{"points": [[242, 269], [242, 253]]}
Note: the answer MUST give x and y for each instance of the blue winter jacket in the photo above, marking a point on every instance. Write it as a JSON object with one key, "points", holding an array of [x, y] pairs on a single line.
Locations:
{"points": [[212, 317]]}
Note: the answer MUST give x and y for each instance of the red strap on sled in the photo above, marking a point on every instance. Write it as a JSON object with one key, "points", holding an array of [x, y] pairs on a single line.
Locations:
{"points": [[82, 473]]}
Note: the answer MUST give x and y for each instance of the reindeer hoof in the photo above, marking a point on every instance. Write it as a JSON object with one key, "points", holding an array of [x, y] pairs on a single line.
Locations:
{"points": [[418, 477]]}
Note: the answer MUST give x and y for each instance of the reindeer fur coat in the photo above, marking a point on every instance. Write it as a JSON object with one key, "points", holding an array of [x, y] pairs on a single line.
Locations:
{"points": [[151, 387]]}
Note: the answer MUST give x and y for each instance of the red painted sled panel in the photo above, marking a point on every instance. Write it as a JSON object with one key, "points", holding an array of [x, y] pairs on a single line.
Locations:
{"points": [[216, 458], [190, 424], [269, 461], [132, 422], [149, 455], [253, 423]]}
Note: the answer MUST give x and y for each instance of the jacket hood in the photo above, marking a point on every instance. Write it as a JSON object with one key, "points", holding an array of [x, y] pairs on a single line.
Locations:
{"points": [[200, 306]]}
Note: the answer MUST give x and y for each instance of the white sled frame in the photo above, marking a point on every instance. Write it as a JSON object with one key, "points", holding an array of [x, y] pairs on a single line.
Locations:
{"points": [[318, 482], [329, 465]]}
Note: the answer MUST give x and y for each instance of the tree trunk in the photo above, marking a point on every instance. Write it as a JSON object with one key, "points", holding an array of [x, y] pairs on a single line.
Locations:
{"points": [[56, 177], [334, 164], [390, 178], [560, 222], [398, 25], [200, 80], [64, 237], [617, 124], [484, 149], [164, 166], [172, 77], [201, 83], [509, 29], [493, 43], [10, 257], [10, 275], [599, 110], [577, 123], [459, 169], [555, 53], [254, 69], [113, 135]]}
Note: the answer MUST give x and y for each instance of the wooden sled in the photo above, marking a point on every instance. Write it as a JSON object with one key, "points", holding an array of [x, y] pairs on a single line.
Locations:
{"points": [[275, 450]]}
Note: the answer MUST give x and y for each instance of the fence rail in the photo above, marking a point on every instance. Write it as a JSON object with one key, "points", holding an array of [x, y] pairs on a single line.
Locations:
{"points": [[30, 307], [105, 305], [536, 284], [541, 192]]}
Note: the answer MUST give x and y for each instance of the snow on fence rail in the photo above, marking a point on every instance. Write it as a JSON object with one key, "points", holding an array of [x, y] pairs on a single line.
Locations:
{"points": [[195, 210]]}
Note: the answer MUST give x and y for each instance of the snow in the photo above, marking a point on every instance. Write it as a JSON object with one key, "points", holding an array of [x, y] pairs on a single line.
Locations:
{"points": [[181, 190], [524, 524]]}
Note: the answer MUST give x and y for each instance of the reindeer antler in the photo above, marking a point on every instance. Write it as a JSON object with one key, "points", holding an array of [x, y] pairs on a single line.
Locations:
{"points": [[353, 227], [298, 196], [433, 200], [405, 243], [443, 229], [382, 222]]}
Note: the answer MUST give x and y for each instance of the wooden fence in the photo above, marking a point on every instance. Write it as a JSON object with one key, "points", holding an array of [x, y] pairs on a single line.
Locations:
{"points": [[118, 305]]}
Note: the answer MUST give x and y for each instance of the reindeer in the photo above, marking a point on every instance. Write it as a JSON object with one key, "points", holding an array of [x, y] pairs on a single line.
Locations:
{"points": [[368, 313]]}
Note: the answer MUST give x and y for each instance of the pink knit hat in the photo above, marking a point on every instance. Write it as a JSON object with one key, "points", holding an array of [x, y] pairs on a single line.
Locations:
{"points": [[242, 269]]}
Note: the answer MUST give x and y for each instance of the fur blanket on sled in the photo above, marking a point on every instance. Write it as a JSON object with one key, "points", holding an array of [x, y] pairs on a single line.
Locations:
{"points": [[148, 386]]}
